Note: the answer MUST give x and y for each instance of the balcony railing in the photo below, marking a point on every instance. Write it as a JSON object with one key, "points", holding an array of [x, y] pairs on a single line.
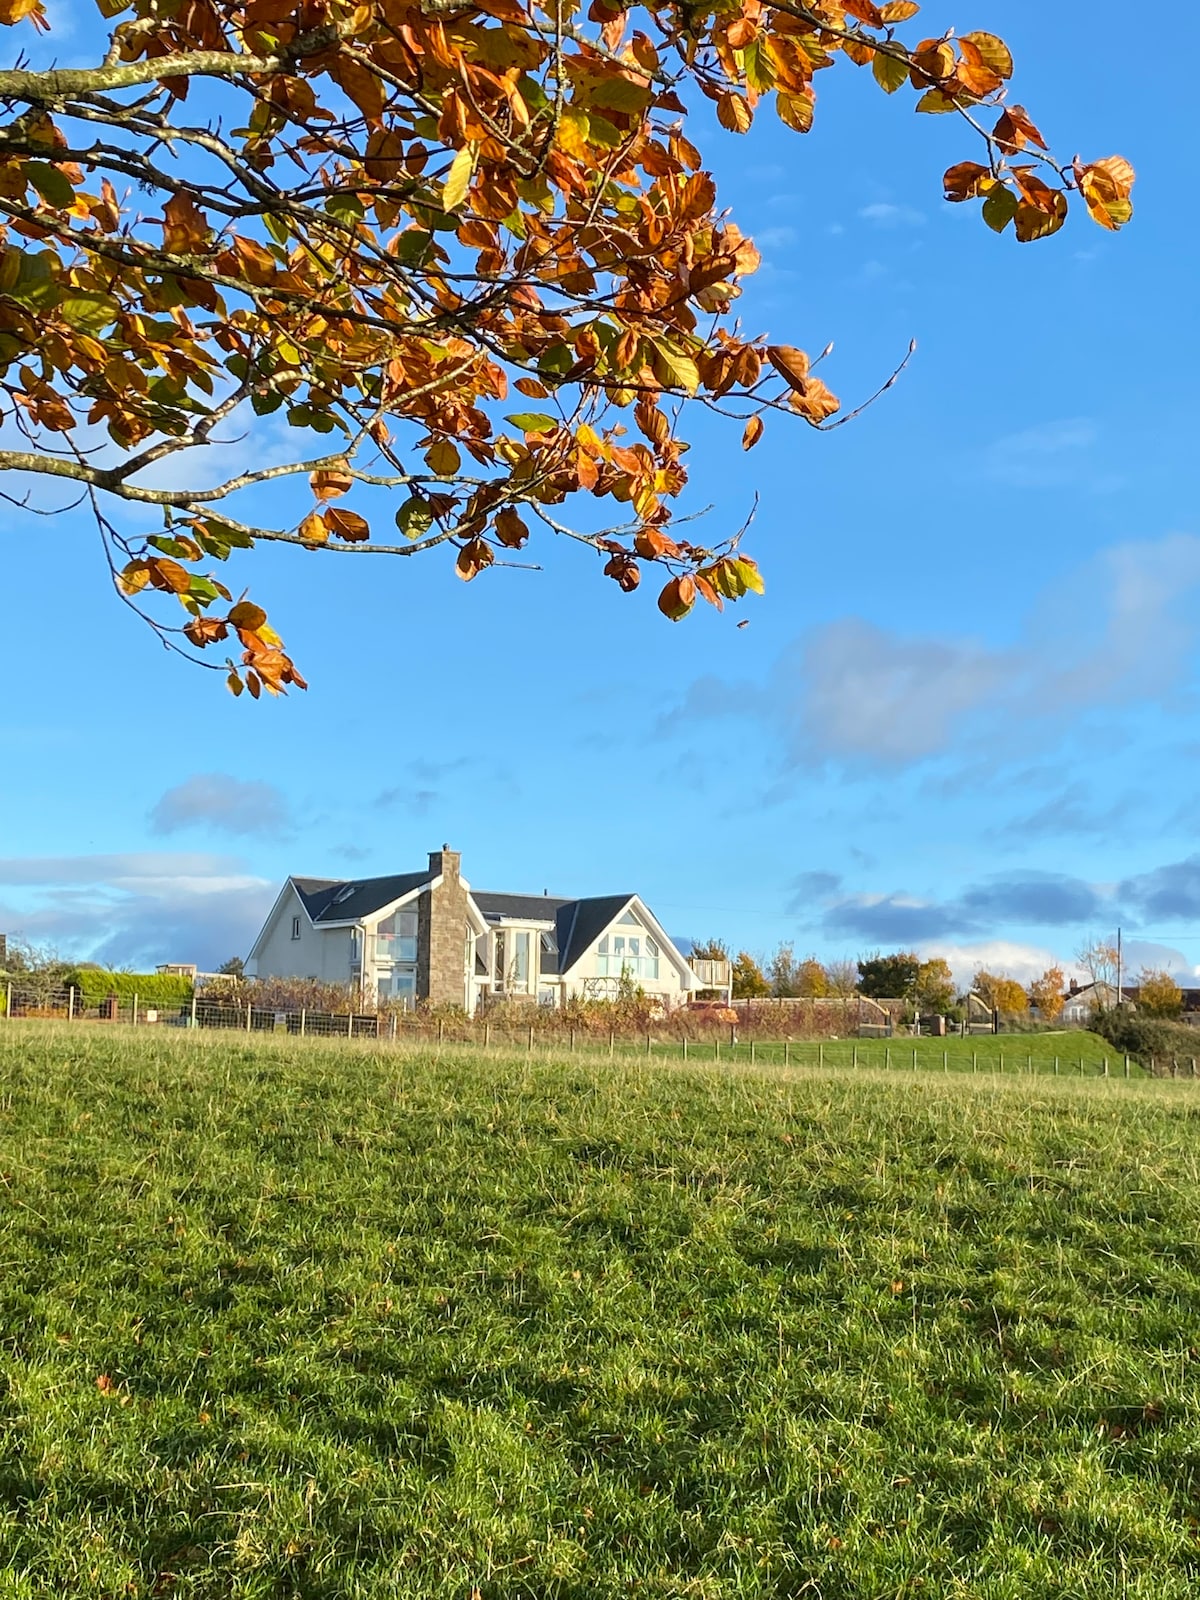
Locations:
{"points": [[711, 974]]}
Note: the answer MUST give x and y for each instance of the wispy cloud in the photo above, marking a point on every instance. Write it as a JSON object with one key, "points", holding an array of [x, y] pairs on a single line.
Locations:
{"points": [[884, 215], [1122, 631], [223, 804], [1053, 455]]}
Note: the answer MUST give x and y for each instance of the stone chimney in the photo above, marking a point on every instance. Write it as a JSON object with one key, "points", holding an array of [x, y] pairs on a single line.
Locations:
{"points": [[442, 933]]}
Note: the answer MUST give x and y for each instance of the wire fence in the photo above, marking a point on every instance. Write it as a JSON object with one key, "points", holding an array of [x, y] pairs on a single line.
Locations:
{"points": [[1062, 1055]]}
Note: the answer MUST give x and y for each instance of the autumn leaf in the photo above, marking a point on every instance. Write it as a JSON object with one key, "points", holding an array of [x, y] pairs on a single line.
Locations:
{"points": [[734, 113], [753, 432], [791, 364], [891, 72], [329, 482], [347, 525], [185, 230], [510, 530], [677, 598], [474, 556], [458, 179]]}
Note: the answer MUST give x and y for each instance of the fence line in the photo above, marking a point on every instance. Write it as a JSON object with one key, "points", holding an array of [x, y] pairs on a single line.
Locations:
{"points": [[701, 1045]]}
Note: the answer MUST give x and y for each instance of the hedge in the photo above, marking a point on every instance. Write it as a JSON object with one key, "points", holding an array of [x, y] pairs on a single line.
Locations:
{"points": [[152, 988]]}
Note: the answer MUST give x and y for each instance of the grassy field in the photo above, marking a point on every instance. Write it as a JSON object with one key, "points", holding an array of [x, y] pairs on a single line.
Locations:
{"points": [[314, 1320]]}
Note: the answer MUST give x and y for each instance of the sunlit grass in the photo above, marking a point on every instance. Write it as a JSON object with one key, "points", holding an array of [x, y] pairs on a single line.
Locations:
{"points": [[317, 1320]]}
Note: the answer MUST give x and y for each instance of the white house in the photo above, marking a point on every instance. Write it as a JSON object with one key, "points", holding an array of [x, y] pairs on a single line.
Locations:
{"points": [[428, 936], [1084, 1000]]}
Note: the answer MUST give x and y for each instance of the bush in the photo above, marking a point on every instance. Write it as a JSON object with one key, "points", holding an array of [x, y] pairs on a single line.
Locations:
{"points": [[161, 989], [1153, 1041]]}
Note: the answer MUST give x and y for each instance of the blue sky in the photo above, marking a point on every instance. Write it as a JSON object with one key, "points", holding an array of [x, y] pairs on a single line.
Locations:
{"points": [[963, 716]]}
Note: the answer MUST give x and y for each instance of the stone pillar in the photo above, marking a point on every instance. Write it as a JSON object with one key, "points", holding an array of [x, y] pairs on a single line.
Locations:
{"points": [[442, 933]]}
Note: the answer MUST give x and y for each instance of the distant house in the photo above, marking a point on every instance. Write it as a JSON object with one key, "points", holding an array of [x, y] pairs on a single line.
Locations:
{"points": [[1084, 1000], [428, 936]]}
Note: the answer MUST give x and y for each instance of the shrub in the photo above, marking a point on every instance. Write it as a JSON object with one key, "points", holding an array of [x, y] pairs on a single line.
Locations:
{"points": [[1153, 1041], [94, 985]]}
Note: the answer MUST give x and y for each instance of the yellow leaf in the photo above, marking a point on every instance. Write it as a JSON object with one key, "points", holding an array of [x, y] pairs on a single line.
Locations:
{"points": [[458, 179], [734, 113], [994, 51], [891, 72], [442, 458]]}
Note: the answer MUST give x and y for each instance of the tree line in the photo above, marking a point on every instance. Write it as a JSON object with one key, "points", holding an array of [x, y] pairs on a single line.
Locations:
{"points": [[929, 986]]}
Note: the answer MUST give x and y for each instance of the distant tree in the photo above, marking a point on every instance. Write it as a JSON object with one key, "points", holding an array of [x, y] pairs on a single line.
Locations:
{"points": [[891, 977], [842, 978], [784, 972], [1046, 994], [934, 989], [812, 981], [235, 967], [711, 950], [749, 980], [1002, 993], [1099, 960], [1158, 993]]}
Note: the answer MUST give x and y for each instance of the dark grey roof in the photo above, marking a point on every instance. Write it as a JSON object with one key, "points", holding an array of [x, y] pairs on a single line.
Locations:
{"points": [[315, 893], [577, 923], [532, 907], [580, 922], [366, 896]]}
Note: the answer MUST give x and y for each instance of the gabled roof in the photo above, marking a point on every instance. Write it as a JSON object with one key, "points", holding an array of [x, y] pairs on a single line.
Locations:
{"points": [[315, 893], [579, 922], [525, 907], [330, 902]]}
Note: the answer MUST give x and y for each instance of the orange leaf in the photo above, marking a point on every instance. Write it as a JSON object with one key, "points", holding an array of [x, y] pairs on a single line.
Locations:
{"points": [[247, 615], [1014, 130], [734, 113], [474, 556], [677, 598], [185, 230], [330, 482], [966, 180], [313, 530], [347, 525], [791, 364], [753, 432]]}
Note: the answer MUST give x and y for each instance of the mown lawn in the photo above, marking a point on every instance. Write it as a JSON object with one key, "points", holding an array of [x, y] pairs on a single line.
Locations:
{"points": [[299, 1319]]}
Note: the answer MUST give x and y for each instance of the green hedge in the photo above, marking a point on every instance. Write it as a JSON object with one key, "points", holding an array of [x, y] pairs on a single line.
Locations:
{"points": [[152, 988]]}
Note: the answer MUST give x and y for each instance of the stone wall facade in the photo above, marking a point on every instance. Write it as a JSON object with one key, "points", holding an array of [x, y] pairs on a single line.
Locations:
{"points": [[442, 925]]}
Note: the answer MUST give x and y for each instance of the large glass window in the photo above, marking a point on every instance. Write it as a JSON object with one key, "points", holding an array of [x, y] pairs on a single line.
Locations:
{"points": [[396, 937], [635, 956]]}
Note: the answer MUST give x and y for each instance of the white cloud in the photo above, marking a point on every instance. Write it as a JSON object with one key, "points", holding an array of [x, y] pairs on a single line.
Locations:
{"points": [[884, 215], [1053, 455], [137, 909], [1023, 962], [1121, 629]]}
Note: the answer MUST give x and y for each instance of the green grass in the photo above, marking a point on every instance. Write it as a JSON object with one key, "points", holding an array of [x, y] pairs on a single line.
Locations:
{"points": [[1070, 1053], [383, 1323]]}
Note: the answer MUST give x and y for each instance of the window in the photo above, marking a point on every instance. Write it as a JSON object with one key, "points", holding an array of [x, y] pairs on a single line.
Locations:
{"points": [[396, 937], [628, 919], [513, 948], [400, 985], [634, 956], [295, 927]]}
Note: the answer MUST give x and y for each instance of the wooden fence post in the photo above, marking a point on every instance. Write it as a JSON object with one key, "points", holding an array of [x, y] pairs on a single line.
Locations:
{"points": [[487, 1034], [8, 1003], [529, 1037], [685, 1045], [1127, 1066], [612, 1041], [135, 1010], [649, 1043], [350, 1026], [787, 1052], [193, 1010], [303, 1019], [70, 1002]]}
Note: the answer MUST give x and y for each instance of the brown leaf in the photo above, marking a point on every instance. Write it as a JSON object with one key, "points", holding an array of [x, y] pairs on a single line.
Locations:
{"points": [[753, 432], [677, 598], [330, 482], [347, 525], [510, 530], [791, 364], [474, 556]]}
